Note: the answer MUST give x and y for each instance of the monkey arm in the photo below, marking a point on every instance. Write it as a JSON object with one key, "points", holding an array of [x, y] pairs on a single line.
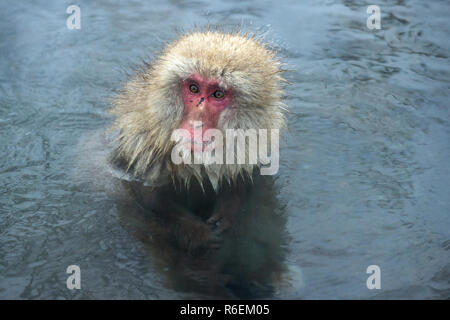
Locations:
{"points": [[187, 230], [227, 209]]}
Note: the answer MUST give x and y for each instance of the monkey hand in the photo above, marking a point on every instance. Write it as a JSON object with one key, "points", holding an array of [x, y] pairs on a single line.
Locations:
{"points": [[196, 235], [224, 215], [220, 221]]}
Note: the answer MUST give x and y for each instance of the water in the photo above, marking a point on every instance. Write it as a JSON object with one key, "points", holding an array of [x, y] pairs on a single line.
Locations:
{"points": [[364, 175]]}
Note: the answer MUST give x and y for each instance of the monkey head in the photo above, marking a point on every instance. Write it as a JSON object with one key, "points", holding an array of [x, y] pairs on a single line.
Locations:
{"points": [[203, 80]]}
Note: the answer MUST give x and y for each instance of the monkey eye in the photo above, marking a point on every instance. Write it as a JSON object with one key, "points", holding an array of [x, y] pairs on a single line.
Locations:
{"points": [[193, 88], [219, 94]]}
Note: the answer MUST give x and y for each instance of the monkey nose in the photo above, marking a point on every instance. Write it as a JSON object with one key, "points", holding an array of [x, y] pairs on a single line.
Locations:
{"points": [[200, 102]]}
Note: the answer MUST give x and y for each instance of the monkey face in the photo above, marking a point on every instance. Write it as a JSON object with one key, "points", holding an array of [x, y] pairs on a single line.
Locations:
{"points": [[204, 100]]}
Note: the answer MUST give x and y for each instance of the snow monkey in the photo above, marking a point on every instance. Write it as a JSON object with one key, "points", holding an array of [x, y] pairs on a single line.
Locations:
{"points": [[202, 81]]}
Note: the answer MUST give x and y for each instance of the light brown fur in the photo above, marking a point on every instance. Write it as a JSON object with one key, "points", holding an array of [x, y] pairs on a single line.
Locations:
{"points": [[149, 107]]}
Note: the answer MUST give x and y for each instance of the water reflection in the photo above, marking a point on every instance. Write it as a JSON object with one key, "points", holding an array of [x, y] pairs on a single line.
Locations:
{"points": [[249, 263]]}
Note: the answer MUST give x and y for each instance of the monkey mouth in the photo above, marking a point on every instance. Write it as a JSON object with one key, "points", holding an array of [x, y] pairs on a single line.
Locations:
{"points": [[196, 124], [201, 145], [198, 145]]}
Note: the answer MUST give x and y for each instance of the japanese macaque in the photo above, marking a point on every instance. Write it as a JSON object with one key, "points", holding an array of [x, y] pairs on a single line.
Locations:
{"points": [[202, 81]]}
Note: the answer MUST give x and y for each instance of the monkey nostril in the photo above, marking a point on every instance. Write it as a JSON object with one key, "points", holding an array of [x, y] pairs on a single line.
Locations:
{"points": [[200, 102]]}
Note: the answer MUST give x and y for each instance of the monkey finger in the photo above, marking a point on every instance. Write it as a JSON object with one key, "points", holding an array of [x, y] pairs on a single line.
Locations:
{"points": [[221, 226], [215, 219]]}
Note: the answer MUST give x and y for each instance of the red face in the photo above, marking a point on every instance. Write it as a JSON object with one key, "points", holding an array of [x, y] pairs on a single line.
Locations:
{"points": [[204, 100]]}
